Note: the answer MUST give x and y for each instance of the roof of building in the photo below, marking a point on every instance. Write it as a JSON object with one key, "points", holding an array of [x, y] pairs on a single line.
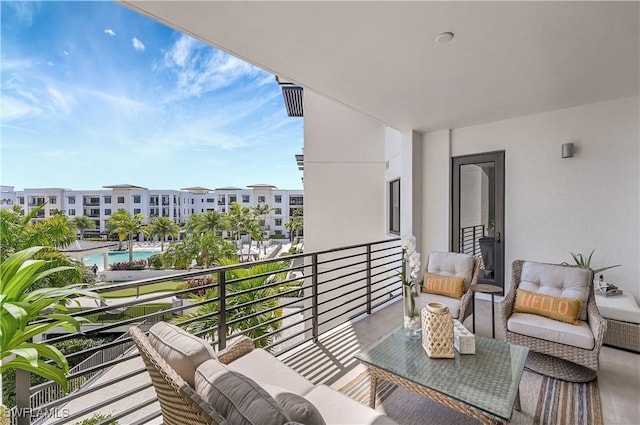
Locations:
{"points": [[196, 189], [228, 188], [125, 186], [262, 186]]}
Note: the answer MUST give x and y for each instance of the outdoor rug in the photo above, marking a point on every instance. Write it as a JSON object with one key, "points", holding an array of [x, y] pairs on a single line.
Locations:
{"points": [[544, 400]]}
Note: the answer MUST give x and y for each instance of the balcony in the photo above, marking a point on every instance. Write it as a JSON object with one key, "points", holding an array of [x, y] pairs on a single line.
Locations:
{"points": [[332, 303]]}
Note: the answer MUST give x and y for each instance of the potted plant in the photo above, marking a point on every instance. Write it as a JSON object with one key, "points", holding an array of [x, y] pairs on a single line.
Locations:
{"points": [[24, 314]]}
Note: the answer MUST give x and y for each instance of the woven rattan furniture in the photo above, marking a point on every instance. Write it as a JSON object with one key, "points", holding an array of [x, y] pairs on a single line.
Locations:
{"points": [[178, 401], [623, 335], [483, 386], [465, 303], [580, 356]]}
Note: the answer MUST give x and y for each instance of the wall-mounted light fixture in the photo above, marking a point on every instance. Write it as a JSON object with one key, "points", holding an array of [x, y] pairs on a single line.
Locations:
{"points": [[567, 150]]}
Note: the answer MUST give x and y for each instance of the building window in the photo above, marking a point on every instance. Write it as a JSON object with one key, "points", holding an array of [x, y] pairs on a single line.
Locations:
{"points": [[53, 199], [278, 199], [261, 199], [210, 200], [277, 211], [121, 199], [107, 211], [296, 200], [232, 199], [278, 222], [136, 210], [278, 232], [72, 212], [107, 199], [245, 199], [71, 200], [394, 206], [21, 200], [136, 199], [222, 200]]}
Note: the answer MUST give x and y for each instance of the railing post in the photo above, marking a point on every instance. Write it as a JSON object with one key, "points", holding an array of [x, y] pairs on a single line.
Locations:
{"points": [[23, 397], [368, 278], [222, 313], [314, 297], [474, 240]]}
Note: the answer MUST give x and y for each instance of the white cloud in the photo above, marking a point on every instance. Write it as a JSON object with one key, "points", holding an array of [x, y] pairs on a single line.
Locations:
{"points": [[137, 44], [15, 109], [65, 53], [110, 32], [51, 63], [57, 153]]}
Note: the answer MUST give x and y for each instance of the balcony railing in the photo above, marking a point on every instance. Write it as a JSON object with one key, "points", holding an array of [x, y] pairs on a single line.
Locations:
{"points": [[310, 294]]}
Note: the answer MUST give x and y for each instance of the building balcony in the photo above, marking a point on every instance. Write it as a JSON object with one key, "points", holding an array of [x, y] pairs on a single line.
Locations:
{"points": [[345, 299]]}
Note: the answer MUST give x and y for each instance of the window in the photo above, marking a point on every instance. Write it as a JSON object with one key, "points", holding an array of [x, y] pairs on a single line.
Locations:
{"points": [[261, 199], [21, 200], [394, 206], [222, 200], [232, 199], [192, 201], [107, 211], [210, 200], [278, 232], [278, 222], [72, 212], [136, 199], [121, 199], [277, 210], [136, 211], [278, 199], [53, 199], [245, 199], [107, 199], [296, 200], [71, 200]]}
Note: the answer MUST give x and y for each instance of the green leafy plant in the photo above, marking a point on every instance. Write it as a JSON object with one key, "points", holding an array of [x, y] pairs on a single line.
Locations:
{"points": [[585, 261], [96, 419], [23, 315]]}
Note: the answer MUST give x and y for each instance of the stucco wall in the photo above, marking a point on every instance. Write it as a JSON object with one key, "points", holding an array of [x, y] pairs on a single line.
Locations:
{"points": [[555, 205]]}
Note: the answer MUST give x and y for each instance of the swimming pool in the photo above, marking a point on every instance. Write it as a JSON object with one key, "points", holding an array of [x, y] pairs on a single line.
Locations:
{"points": [[117, 257]]}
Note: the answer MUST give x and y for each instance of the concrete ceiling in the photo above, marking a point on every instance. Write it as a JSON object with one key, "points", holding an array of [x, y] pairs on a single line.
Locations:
{"points": [[507, 59]]}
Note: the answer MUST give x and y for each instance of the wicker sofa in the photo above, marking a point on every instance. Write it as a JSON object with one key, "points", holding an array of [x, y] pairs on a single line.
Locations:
{"points": [[237, 386]]}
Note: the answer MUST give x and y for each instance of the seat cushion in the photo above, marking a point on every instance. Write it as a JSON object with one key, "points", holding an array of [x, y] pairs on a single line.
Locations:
{"points": [[622, 308], [552, 330], [557, 281], [449, 286], [337, 408], [183, 351], [452, 303], [297, 408], [452, 264], [238, 398], [263, 367]]}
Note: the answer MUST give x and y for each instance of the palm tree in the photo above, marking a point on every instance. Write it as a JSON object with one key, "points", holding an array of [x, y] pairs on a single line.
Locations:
{"points": [[163, 227], [126, 226], [207, 222], [82, 223], [295, 224], [239, 218], [262, 211], [20, 231]]}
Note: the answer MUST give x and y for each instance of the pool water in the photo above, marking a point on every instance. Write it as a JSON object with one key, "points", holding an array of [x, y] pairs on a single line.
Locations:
{"points": [[117, 257]]}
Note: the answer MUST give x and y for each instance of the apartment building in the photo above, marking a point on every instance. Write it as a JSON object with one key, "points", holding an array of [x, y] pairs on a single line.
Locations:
{"points": [[178, 205]]}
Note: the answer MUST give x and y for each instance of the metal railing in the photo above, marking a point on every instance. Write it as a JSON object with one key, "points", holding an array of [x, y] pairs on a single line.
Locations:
{"points": [[278, 309], [469, 239]]}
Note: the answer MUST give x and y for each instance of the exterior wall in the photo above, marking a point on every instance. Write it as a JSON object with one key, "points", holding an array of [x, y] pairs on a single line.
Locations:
{"points": [[554, 206]]}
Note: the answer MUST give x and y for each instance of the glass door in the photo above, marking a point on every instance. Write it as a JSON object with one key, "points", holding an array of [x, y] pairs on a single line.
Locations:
{"points": [[478, 212]]}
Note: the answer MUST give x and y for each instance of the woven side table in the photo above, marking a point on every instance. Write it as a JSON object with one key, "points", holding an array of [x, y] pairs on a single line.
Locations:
{"points": [[484, 288]]}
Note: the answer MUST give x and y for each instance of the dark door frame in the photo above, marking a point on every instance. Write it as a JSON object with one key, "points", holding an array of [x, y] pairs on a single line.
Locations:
{"points": [[498, 157]]}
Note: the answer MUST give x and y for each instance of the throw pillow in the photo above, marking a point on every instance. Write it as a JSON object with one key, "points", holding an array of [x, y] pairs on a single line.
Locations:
{"points": [[449, 286], [183, 351], [298, 408], [238, 398], [557, 308]]}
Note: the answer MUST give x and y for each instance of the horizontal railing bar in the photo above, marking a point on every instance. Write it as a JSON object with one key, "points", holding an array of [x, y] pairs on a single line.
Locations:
{"points": [[148, 418], [261, 312], [115, 417], [340, 305], [290, 337], [269, 334], [252, 302]]}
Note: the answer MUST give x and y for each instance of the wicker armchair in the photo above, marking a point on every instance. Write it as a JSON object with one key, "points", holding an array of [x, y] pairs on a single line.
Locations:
{"points": [[178, 401], [596, 323], [465, 303]]}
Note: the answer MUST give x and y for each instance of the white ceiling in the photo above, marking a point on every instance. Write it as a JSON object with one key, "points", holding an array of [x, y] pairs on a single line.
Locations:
{"points": [[507, 58]]}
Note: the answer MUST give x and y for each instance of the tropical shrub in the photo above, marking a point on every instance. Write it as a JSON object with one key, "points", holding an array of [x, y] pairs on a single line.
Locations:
{"points": [[124, 265], [155, 261], [96, 419]]}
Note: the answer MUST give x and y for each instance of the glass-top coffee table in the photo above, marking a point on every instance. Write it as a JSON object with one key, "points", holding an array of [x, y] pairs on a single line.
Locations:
{"points": [[482, 385]]}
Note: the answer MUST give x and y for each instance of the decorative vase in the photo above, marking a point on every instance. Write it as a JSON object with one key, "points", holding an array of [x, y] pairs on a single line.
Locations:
{"points": [[437, 331], [411, 316]]}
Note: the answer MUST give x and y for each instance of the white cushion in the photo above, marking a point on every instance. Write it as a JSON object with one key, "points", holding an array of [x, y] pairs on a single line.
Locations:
{"points": [[452, 303], [183, 351], [297, 408], [557, 281], [338, 409], [237, 397], [552, 330], [263, 367], [623, 308], [452, 264]]}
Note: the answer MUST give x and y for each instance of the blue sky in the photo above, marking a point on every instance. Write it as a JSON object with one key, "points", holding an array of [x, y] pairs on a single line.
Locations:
{"points": [[94, 94]]}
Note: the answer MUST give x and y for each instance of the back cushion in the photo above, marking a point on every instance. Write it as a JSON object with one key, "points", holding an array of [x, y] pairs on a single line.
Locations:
{"points": [[452, 264], [236, 396], [183, 351], [557, 281], [449, 286]]}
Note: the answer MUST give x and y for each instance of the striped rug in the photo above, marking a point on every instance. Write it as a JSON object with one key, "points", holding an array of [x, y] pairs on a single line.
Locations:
{"points": [[545, 401]]}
